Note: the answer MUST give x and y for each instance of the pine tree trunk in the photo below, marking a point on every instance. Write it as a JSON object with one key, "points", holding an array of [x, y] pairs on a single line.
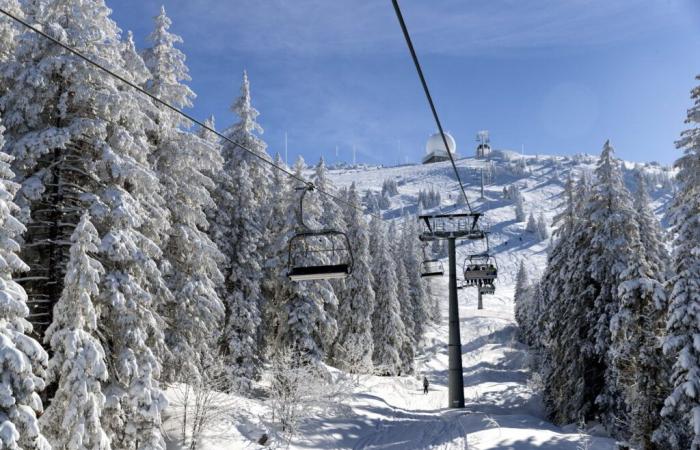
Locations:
{"points": [[47, 239]]}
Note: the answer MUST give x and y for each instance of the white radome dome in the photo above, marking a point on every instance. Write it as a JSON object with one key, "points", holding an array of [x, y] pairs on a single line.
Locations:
{"points": [[435, 144]]}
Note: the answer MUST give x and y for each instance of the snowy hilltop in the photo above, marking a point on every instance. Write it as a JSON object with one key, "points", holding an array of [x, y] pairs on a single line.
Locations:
{"points": [[515, 187]]}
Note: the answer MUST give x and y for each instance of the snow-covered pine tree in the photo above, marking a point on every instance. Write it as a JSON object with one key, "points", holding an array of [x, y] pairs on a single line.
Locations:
{"points": [[35, 166], [681, 410], [353, 347], [420, 208], [531, 226], [522, 167], [542, 230], [636, 358], [22, 360], [384, 201], [275, 268], [533, 315], [375, 237], [614, 232], [519, 205], [387, 327], [653, 376], [80, 142], [241, 294], [9, 30], [570, 370], [331, 217], [430, 198], [412, 255], [566, 218], [183, 161], [134, 65], [521, 299], [239, 234], [403, 294], [390, 187], [168, 70], [246, 132], [77, 364], [653, 237], [369, 200]]}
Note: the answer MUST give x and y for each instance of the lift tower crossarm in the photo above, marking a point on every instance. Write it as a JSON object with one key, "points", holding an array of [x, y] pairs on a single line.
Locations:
{"points": [[447, 226]]}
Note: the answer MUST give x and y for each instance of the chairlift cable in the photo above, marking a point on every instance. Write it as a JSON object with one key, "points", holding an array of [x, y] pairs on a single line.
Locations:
{"points": [[182, 113], [409, 43]]}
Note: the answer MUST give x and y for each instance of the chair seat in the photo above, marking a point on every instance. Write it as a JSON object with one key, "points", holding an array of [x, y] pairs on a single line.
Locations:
{"points": [[324, 272], [431, 274]]}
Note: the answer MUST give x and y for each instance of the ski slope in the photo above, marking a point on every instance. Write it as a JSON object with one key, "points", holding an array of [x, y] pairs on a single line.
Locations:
{"points": [[502, 411], [503, 406]]}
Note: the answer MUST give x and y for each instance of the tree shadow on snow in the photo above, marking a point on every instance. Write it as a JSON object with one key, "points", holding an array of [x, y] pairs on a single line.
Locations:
{"points": [[571, 442], [394, 429], [502, 337]]}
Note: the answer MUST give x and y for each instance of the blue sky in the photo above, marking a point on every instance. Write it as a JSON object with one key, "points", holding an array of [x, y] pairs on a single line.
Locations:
{"points": [[554, 76]]}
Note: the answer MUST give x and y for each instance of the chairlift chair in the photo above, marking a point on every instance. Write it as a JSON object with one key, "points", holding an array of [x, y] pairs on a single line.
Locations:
{"points": [[431, 268], [323, 254], [480, 269]]}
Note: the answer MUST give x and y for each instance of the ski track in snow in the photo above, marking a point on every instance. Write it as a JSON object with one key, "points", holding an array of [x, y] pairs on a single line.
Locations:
{"points": [[502, 410]]}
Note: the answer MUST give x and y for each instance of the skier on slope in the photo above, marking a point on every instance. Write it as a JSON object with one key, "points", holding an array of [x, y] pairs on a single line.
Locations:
{"points": [[425, 385]]}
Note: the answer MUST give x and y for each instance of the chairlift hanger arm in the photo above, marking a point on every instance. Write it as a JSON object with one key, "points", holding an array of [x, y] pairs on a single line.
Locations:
{"points": [[306, 188]]}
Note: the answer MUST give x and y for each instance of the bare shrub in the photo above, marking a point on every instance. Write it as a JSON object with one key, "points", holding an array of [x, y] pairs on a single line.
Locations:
{"points": [[298, 391], [204, 405]]}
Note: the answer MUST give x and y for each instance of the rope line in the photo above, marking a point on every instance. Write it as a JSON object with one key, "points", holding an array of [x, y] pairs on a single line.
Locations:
{"points": [[409, 43]]}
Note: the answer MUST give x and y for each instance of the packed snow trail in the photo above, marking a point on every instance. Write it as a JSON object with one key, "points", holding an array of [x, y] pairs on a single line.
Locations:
{"points": [[501, 410], [391, 413]]}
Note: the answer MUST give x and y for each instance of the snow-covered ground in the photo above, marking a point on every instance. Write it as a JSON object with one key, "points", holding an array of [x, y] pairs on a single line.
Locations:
{"points": [[502, 412], [503, 409]]}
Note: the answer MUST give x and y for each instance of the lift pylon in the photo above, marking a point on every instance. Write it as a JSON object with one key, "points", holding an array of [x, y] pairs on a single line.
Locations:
{"points": [[451, 227]]}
